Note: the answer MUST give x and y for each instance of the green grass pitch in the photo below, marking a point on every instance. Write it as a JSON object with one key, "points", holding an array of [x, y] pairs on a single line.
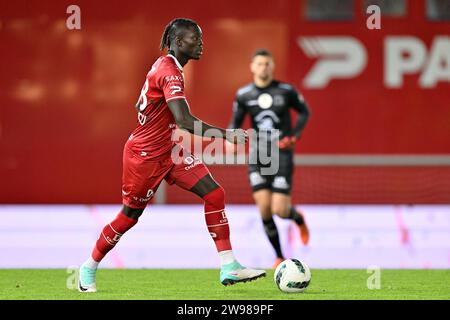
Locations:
{"points": [[203, 284]]}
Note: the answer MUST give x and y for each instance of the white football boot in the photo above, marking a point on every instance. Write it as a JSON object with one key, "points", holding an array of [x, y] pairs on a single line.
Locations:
{"points": [[86, 280], [233, 273]]}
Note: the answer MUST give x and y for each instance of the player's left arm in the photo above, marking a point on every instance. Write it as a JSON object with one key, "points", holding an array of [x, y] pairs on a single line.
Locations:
{"points": [[187, 121], [297, 102]]}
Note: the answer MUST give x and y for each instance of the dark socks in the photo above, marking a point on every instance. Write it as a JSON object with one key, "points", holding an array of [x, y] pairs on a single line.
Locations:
{"points": [[297, 217], [272, 233]]}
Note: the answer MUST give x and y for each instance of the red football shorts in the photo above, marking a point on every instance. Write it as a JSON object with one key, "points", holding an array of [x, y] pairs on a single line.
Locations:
{"points": [[141, 177]]}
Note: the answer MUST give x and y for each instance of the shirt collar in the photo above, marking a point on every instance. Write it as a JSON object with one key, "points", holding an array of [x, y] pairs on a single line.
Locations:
{"points": [[176, 62]]}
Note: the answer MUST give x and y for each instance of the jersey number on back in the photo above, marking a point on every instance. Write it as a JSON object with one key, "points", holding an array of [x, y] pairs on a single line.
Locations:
{"points": [[142, 103]]}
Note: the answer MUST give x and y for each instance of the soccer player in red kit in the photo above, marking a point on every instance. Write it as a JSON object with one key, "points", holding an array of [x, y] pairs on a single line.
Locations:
{"points": [[150, 155]]}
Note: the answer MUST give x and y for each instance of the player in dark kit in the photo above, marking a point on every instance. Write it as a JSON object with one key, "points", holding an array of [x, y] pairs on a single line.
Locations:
{"points": [[268, 102], [150, 155]]}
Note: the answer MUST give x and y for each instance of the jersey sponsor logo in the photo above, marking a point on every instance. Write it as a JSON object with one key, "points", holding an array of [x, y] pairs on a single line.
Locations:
{"points": [[265, 100], [175, 89], [173, 78], [267, 113], [280, 183], [266, 120]]}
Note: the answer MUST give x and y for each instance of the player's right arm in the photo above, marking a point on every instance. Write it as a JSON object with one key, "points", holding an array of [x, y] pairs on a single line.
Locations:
{"points": [[186, 121], [237, 119], [238, 116]]}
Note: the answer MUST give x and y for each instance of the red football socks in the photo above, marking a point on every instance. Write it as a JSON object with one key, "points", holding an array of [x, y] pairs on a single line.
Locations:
{"points": [[111, 234], [215, 217], [216, 220]]}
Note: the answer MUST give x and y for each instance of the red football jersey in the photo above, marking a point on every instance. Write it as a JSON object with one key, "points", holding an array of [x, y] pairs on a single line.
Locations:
{"points": [[164, 83]]}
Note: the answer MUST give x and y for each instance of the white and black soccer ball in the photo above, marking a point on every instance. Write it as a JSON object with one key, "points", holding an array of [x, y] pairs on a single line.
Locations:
{"points": [[292, 276]]}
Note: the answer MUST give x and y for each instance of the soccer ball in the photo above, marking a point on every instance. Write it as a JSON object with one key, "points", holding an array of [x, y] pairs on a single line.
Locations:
{"points": [[292, 276]]}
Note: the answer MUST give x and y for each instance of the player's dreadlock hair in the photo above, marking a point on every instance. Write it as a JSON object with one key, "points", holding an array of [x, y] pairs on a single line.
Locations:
{"points": [[172, 30]]}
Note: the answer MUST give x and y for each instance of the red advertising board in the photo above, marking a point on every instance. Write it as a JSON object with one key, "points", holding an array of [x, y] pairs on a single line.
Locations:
{"points": [[67, 96]]}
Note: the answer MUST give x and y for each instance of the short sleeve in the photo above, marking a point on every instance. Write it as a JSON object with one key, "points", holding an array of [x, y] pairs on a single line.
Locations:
{"points": [[172, 84]]}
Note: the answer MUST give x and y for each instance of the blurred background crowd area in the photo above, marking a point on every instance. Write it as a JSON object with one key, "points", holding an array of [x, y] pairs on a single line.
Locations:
{"points": [[379, 131]]}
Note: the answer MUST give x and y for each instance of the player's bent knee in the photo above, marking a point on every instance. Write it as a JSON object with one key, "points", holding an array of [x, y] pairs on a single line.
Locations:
{"points": [[215, 199], [132, 213], [281, 211]]}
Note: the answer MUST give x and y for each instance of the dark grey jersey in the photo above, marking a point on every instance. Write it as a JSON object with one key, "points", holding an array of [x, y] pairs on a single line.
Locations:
{"points": [[269, 108]]}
